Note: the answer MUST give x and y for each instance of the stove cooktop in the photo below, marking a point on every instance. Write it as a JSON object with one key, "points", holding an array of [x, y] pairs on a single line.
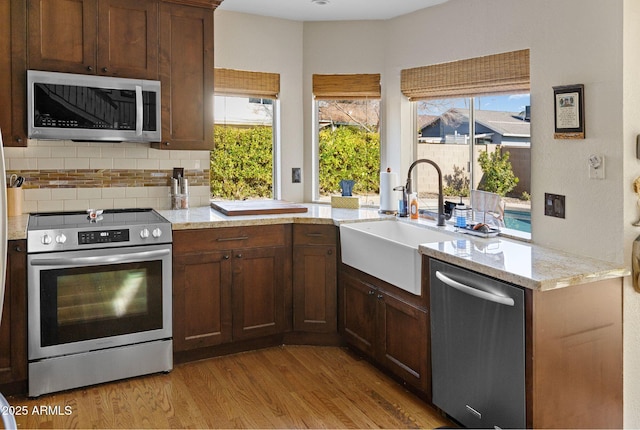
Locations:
{"points": [[64, 231], [106, 218]]}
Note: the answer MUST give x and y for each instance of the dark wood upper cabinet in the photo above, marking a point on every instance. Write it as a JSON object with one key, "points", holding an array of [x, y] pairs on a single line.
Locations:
{"points": [[12, 75], [186, 74], [62, 35], [128, 38], [104, 37]]}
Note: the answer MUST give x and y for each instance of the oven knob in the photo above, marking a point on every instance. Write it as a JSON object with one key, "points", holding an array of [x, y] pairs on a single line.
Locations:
{"points": [[46, 239], [61, 238], [156, 232], [144, 233]]}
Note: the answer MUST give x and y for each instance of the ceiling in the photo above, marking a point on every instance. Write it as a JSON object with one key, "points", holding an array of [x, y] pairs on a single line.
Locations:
{"points": [[333, 10]]}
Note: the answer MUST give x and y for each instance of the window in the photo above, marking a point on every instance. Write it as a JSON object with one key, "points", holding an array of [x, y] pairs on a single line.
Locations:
{"points": [[244, 162], [348, 136], [499, 140], [473, 120]]}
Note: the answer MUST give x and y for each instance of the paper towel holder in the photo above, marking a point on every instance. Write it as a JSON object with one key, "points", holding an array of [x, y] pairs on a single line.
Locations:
{"points": [[387, 210]]}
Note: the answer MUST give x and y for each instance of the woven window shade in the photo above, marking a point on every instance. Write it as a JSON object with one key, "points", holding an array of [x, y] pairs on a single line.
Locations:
{"points": [[346, 87], [231, 82], [493, 74]]}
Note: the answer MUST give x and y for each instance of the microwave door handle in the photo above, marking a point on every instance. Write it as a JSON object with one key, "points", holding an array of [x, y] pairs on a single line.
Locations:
{"points": [[99, 259], [139, 110]]}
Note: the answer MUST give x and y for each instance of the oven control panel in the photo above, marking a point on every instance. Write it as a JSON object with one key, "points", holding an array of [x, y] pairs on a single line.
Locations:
{"points": [[103, 236], [68, 240]]}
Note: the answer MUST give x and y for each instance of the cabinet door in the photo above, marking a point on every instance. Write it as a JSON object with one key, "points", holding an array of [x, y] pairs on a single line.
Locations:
{"points": [[402, 340], [62, 35], [358, 313], [258, 292], [128, 38], [13, 330], [201, 300], [315, 289], [186, 73], [12, 75]]}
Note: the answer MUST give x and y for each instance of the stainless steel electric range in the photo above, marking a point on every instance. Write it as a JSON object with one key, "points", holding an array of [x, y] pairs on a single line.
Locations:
{"points": [[99, 297]]}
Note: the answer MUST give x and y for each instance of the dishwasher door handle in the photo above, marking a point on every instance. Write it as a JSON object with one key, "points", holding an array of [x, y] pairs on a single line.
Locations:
{"points": [[474, 291]]}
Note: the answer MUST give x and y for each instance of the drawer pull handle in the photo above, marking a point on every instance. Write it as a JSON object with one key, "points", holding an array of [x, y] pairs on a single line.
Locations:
{"points": [[231, 239]]}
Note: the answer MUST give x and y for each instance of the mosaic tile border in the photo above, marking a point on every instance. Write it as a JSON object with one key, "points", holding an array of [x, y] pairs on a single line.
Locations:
{"points": [[105, 178]]}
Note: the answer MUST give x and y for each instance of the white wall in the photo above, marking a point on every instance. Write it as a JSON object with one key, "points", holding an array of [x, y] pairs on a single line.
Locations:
{"points": [[570, 42]]}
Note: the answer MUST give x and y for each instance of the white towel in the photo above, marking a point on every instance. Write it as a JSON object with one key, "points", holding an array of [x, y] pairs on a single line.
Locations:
{"points": [[487, 207]]}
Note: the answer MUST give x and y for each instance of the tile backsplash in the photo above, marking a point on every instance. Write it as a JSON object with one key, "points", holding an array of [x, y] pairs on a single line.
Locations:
{"points": [[64, 175]]}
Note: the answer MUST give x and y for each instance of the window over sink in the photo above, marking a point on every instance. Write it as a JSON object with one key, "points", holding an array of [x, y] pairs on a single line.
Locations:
{"points": [[473, 119]]}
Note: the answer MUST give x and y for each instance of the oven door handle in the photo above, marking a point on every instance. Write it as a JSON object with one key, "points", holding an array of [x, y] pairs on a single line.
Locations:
{"points": [[99, 259]]}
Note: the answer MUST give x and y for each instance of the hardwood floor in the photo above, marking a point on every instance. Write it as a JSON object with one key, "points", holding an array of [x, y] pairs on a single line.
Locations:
{"points": [[281, 387]]}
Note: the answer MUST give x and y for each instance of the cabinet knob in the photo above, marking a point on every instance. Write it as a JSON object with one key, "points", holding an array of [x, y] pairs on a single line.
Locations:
{"points": [[19, 139], [380, 296], [330, 252], [90, 68], [167, 143], [371, 292], [239, 256], [226, 257], [18, 248], [105, 70]]}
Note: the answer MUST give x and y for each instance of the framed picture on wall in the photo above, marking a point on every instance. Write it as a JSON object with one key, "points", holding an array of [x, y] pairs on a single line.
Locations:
{"points": [[569, 111]]}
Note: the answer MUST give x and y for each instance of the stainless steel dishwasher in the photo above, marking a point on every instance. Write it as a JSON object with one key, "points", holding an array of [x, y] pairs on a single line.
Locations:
{"points": [[477, 348]]}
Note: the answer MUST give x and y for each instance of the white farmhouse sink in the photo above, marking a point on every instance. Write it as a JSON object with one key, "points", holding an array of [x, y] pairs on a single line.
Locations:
{"points": [[388, 250]]}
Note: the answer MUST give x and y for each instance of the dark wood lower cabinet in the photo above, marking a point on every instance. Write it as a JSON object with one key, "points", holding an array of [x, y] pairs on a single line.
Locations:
{"points": [[259, 292], [13, 328], [315, 278], [230, 285], [386, 326], [201, 300]]}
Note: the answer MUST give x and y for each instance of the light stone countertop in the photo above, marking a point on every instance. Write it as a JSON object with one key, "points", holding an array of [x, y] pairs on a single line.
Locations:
{"points": [[17, 227], [513, 261], [206, 217], [522, 263]]}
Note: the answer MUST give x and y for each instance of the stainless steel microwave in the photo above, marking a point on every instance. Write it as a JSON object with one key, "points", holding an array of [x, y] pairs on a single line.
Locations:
{"points": [[64, 106]]}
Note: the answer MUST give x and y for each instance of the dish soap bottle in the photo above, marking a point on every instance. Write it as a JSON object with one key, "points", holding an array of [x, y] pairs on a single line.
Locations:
{"points": [[413, 206]]}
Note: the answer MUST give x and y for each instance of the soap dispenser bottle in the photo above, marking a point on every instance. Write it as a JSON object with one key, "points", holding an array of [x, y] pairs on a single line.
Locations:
{"points": [[413, 206]]}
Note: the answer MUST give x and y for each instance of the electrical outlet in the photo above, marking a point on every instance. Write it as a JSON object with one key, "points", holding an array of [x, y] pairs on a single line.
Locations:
{"points": [[296, 175], [596, 166], [554, 205]]}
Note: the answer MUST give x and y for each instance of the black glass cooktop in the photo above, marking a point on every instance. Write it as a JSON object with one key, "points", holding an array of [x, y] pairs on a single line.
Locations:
{"points": [[81, 219]]}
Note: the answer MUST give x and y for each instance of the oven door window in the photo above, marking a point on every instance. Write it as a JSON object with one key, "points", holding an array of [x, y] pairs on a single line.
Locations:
{"points": [[93, 302]]}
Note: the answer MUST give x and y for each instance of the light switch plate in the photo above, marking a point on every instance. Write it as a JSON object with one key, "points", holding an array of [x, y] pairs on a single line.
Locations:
{"points": [[596, 166], [296, 175], [554, 205]]}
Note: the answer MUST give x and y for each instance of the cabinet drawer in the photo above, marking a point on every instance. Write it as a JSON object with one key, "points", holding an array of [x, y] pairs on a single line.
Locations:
{"points": [[314, 234], [190, 241]]}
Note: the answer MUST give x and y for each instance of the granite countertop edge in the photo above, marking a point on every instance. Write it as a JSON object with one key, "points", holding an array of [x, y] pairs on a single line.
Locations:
{"points": [[550, 269]]}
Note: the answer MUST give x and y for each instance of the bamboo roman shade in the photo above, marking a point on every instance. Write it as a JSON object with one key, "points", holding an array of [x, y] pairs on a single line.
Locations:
{"points": [[493, 74], [346, 87], [231, 82]]}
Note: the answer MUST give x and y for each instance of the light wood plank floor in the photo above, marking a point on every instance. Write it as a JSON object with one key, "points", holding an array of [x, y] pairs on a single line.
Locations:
{"points": [[281, 387]]}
